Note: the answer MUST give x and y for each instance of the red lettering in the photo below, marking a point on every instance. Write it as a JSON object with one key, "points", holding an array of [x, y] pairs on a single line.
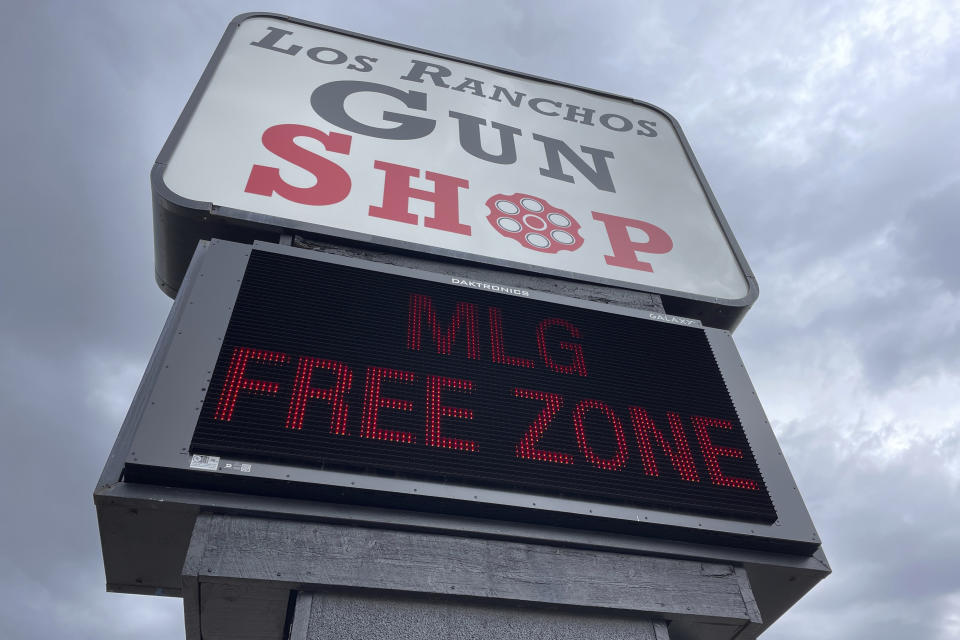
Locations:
{"points": [[397, 193], [497, 353], [624, 249], [617, 461], [682, 459], [576, 365], [373, 401], [236, 380], [465, 314], [335, 394], [527, 447], [436, 410], [712, 451], [333, 183]]}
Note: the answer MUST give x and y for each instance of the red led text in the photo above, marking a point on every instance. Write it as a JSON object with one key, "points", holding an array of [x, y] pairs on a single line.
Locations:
{"points": [[559, 355], [442, 400]]}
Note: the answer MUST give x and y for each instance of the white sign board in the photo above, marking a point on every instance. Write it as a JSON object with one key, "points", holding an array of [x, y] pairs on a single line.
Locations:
{"points": [[317, 131]]}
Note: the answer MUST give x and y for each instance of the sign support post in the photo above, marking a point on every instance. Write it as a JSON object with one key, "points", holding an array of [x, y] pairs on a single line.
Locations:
{"points": [[356, 582]]}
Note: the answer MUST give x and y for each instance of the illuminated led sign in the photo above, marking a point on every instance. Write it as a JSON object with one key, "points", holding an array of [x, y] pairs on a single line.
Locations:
{"points": [[339, 367]]}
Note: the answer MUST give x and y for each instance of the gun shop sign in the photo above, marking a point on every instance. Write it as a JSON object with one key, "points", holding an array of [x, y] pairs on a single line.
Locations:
{"points": [[318, 131]]}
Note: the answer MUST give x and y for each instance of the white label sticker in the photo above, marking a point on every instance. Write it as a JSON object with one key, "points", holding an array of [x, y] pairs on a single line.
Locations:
{"points": [[205, 463]]}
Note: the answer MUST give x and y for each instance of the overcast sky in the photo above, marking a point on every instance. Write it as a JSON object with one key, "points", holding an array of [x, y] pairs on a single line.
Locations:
{"points": [[829, 132]]}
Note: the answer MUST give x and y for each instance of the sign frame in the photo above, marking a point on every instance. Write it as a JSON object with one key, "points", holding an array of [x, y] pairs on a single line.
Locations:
{"points": [[179, 222], [157, 450]]}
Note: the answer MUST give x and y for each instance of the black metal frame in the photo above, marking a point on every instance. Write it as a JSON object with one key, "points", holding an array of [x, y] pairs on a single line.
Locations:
{"points": [[165, 411]]}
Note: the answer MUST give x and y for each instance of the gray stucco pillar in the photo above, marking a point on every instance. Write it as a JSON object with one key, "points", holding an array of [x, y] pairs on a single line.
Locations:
{"points": [[247, 577]]}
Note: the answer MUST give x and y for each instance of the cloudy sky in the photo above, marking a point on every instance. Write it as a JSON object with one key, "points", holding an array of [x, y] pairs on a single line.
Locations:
{"points": [[830, 133]]}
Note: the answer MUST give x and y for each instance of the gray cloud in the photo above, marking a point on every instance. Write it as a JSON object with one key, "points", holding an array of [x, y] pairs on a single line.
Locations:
{"points": [[928, 237], [825, 131], [59, 424], [891, 526]]}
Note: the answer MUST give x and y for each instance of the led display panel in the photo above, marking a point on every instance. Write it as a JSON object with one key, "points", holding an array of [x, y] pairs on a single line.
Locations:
{"points": [[339, 367]]}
